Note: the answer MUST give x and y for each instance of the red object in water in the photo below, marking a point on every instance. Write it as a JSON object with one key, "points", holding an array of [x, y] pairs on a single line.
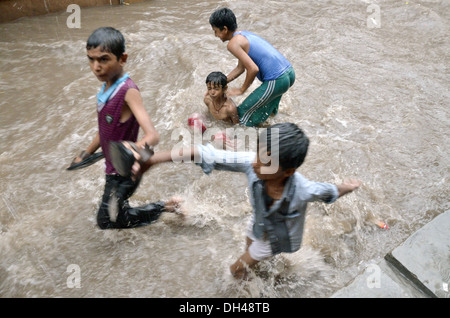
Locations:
{"points": [[196, 123], [382, 225], [220, 136]]}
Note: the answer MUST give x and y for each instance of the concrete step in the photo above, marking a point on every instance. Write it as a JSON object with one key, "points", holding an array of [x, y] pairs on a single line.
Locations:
{"points": [[418, 268]]}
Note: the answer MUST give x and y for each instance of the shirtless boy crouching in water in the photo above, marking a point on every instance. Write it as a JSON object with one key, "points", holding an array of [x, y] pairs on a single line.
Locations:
{"points": [[219, 105]]}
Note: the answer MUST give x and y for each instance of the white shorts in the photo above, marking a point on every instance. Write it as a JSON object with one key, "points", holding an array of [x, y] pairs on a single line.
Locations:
{"points": [[258, 249]]}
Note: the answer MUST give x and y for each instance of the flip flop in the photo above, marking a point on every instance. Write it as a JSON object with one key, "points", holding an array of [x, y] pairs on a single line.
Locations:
{"points": [[87, 160], [123, 158]]}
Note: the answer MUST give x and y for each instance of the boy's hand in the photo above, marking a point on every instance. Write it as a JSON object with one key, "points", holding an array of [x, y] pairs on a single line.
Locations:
{"points": [[138, 169], [83, 155], [353, 183], [348, 186], [75, 161]]}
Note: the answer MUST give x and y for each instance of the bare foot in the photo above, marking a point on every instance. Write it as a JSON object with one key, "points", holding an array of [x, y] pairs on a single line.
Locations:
{"points": [[174, 205]]}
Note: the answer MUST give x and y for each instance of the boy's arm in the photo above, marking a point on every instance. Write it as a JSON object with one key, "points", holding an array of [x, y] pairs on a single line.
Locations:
{"points": [[236, 72], [325, 192], [207, 157], [233, 112], [236, 47], [134, 101], [187, 154], [207, 100], [95, 144]]}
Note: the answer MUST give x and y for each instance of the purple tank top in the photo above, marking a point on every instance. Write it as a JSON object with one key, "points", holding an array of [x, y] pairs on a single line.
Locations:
{"points": [[109, 126]]}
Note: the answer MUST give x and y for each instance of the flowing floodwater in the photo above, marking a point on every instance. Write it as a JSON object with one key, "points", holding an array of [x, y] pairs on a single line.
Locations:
{"points": [[372, 93]]}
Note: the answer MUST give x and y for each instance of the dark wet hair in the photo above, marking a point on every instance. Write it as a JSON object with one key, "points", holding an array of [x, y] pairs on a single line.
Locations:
{"points": [[223, 17], [108, 39], [292, 144], [217, 78]]}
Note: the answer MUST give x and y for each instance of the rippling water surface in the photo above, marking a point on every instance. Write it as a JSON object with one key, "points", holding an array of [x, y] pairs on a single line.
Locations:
{"points": [[373, 100]]}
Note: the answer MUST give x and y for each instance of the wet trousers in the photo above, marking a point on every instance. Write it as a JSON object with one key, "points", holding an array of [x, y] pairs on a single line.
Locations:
{"points": [[265, 99], [117, 191]]}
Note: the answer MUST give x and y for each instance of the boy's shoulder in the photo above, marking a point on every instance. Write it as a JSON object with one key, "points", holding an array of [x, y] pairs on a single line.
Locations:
{"points": [[238, 40], [131, 84], [230, 104], [229, 100]]}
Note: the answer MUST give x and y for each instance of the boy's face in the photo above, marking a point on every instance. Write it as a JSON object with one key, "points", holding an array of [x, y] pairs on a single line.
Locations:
{"points": [[215, 90], [221, 34], [267, 167], [105, 65]]}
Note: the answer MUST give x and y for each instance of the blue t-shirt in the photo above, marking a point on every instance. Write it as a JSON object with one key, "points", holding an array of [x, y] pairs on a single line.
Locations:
{"points": [[271, 63]]}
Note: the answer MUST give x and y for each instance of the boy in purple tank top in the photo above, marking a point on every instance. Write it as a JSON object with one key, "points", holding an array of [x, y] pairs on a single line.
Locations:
{"points": [[120, 112], [261, 60]]}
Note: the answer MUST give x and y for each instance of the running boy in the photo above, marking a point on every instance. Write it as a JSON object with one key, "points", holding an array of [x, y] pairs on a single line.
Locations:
{"points": [[278, 193], [121, 112], [260, 59], [219, 105]]}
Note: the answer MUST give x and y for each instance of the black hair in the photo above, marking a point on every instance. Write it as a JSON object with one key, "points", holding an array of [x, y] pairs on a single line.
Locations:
{"points": [[217, 78], [223, 17], [286, 141], [109, 39]]}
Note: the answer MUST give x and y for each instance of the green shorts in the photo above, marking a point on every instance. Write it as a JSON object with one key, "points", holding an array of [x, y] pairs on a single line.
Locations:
{"points": [[264, 100]]}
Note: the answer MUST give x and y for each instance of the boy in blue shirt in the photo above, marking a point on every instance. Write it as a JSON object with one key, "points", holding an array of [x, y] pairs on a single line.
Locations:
{"points": [[260, 59], [278, 193]]}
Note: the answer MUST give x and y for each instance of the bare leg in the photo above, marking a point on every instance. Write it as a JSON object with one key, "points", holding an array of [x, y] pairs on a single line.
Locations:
{"points": [[248, 242]]}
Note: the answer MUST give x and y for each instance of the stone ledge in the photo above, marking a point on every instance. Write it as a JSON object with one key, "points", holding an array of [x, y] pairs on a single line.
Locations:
{"points": [[418, 268]]}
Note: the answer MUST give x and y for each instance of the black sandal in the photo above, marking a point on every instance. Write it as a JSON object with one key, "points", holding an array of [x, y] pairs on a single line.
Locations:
{"points": [[123, 158], [87, 160]]}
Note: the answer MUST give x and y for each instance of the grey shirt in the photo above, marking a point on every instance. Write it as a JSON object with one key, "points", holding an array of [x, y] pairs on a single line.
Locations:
{"points": [[286, 215]]}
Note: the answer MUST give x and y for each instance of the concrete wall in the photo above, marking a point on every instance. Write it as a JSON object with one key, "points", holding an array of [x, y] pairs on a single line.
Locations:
{"points": [[14, 9]]}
